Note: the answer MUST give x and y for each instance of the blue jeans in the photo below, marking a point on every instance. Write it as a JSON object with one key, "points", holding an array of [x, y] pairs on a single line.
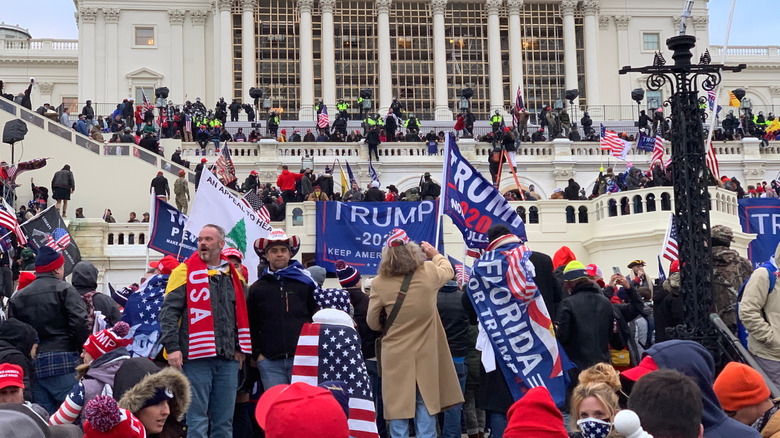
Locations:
{"points": [[214, 382], [376, 388], [498, 423], [451, 427], [50, 392], [424, 423], [275, 372]]}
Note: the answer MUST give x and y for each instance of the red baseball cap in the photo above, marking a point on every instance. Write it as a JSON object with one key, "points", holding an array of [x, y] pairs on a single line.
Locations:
{"points": [[11, 375], [647, 365], [301, 411], [165, 265]]}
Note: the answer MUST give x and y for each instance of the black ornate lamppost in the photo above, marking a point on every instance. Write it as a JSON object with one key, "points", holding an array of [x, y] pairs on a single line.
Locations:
{"points": [[690, 177]]}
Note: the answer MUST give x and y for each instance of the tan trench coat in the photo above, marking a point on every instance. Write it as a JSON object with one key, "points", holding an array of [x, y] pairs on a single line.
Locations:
{"points": [[415, 352]]}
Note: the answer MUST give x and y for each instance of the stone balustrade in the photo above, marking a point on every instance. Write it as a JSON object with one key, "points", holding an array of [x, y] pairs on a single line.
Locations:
{"points": [[747, 51]]}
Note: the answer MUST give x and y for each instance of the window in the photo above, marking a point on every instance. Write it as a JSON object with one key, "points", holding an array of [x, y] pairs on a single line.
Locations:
{"points": [[72, 103], [654, 99], [651, 41], [141, 91], [144, 36]]}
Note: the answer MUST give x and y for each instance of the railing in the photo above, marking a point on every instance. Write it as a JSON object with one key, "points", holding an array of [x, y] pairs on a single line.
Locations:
{"points": [[43, 44], [764, 51]]}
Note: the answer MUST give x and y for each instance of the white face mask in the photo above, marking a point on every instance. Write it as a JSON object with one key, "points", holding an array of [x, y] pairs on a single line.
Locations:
{"points": [[594, 428]]}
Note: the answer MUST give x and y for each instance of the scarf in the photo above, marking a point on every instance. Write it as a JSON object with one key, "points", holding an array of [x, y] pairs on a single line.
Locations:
{"points": [[294, 271], [201, 318]]}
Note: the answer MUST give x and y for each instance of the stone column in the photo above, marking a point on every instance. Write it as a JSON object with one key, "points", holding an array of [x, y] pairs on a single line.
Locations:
{"points": [[87, 18], [328, 55], [385, 68], [622, 22], [569, 45], [195, 78], [100, 67], [442, 110], [216, 88], [515, 48], [225, 54], [590, 8], [306, 111], [701, 31], [248, 52], [111, 17], [494, 56], [176, 80]]}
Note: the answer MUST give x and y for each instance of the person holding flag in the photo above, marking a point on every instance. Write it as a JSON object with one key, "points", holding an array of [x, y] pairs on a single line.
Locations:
{"points": [[534, 357]]}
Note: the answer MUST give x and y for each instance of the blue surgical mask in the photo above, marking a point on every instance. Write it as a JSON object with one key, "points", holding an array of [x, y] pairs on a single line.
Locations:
{"points": [[594, 428]]}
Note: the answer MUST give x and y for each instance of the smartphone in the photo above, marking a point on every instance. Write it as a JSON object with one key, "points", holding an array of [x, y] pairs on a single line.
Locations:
{"points": [[615, 270]]}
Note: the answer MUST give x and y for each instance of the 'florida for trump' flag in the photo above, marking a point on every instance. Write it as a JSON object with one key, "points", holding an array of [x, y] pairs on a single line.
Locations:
{"points": [[524, 345], [331, 352]]}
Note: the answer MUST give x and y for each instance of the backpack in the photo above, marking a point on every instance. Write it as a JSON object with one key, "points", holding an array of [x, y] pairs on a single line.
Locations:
{"points": [[771, 269]]}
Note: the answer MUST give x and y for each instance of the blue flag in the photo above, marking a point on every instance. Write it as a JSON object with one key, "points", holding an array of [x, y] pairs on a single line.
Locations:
{"points": [[167, 232], [661, 273], [351, 175], [372, 173], [760, 216], [472, 202], [526, 350], [645, 142]]}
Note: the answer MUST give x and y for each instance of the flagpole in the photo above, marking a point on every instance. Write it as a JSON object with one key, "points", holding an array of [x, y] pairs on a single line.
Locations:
{"points": [[152, 215], [714, 111], [444, 168]]}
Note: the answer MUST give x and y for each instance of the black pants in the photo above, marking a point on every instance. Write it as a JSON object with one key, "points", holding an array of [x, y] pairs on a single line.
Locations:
{"points": [[375, 149]]}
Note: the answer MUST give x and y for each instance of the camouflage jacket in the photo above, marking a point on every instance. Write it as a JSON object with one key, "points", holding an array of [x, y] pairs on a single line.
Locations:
{"points": [[730, 271]]}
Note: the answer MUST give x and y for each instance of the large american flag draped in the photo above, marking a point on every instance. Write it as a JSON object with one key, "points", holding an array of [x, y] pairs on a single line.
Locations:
{"points": [[257, 205], [10, 224], [611, 142], [225, 169], [323, 121], [332, 352], [669, 250]]}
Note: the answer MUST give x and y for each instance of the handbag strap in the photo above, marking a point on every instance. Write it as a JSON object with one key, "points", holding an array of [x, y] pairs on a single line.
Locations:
{"points": [[398, 302]]}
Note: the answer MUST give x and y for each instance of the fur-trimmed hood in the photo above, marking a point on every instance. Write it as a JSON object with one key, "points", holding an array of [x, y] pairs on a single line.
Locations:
{"points": [[171, 378]]}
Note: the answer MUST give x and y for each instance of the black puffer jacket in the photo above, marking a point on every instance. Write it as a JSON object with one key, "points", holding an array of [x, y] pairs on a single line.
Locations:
{"points": [[368, 337], [278, 309], [84, 279], [55, 310], [454, 318]]}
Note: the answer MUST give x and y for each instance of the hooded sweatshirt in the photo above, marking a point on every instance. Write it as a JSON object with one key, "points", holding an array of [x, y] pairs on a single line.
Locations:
{"points": [[16, 342], [693, 360], [84, 279]]}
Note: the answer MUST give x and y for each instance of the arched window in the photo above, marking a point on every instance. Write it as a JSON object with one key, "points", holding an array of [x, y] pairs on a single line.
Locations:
{"points": [[637, 204], [650, 200], [666, 201], [583, 214], [570, 215], [521, 212], [533, 215], [297, 217]]}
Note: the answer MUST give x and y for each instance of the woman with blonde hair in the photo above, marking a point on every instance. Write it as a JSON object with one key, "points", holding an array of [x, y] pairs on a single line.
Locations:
{"points": [[594, 402], [418, 375]]}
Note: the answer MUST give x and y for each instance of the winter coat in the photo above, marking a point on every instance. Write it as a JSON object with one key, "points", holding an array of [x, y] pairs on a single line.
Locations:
{"points": [[56, 312], [373, 194], [286, 180], [453, 318], [278, 309], [16, 342], [63, 179], [551, 291], [372, 138], [759, 311], [159, 186], [139, 379], [359, 300], [585, 326], [415, 353], [84, 279], [693, 360], [325, 182]]}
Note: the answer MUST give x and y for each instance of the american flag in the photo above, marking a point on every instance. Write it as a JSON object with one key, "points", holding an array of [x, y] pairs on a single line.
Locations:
{"points": [[669, 250], [58, 240], [711, 99], [611, 142], [146, 106], [658, 150], [225, 169], [462, 272], [329, 352], [519, 285], [16, 169], [257, 205], [322, 121], [712, 161], [8, 221], [519, 105]]}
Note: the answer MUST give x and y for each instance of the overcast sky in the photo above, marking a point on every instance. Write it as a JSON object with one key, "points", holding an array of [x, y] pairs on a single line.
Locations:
{"points": [[54, 19]]}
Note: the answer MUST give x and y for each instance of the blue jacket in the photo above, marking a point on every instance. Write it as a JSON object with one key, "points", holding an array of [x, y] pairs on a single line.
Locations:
{"points": [[81, 128], [693, 360]]}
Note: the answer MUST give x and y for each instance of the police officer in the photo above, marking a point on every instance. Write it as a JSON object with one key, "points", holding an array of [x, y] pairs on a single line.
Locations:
{"points": [[368, 124], [343, 107], [495, 121], [729, 272], [318, 107], [412, 124], [273, 124]]}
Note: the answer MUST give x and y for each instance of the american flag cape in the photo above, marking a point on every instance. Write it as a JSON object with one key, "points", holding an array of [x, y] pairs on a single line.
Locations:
{"points": [[462, 272], [225, 168], [541, 361], [669, 250], [332, 352], [323, 121], [141, 313]]}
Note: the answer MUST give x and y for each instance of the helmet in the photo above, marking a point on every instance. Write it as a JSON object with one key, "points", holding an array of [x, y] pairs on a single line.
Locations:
{"points": [[411, 115], [722, 233], [395, 98]]}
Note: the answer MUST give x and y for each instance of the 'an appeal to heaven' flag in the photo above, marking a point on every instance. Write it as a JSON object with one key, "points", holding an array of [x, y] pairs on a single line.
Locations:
{"points": [[167, 230], [331, 352], [215, 204], [524, 343], [472, 202], [48, 229]]}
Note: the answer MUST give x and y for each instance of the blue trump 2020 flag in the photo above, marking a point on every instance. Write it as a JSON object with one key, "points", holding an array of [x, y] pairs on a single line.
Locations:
{"points": [[761, 216], [168, 235], [472, 202], [512, 312]]}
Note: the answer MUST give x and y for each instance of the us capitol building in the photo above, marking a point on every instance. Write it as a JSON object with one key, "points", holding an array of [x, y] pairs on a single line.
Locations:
{"points": [[422, 52]]}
